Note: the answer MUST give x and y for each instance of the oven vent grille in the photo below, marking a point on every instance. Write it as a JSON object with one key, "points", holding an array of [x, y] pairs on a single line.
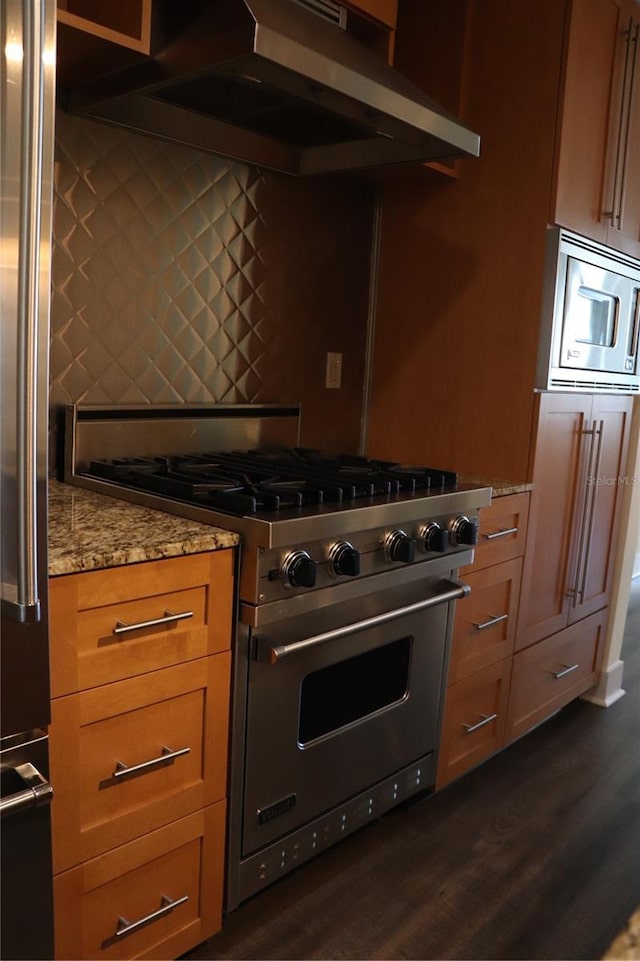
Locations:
{"points": [[327, 9], [594, 385]]}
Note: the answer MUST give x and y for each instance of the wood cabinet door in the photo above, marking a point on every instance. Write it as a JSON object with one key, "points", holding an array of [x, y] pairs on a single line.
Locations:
{"points": [[606, 478], [624, 228], [592, 86], [557, 504]]}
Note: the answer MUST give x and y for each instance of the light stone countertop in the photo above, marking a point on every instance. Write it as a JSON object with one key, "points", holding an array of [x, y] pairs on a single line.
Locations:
{"points": [[90, 531], [501, 487], [626, 946]]}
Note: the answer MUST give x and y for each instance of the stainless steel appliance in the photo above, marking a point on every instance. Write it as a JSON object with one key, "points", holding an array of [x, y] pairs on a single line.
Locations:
{"points": [[591, 318], [278, 83], [27, 45], [347, 585]]}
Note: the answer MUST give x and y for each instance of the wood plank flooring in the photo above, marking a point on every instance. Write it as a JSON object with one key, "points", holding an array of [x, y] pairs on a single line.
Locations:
{"points": [[534, 855]]}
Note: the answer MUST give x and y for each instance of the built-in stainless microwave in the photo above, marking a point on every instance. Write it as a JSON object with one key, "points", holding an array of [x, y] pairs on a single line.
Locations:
{"points": [[591, 317]]}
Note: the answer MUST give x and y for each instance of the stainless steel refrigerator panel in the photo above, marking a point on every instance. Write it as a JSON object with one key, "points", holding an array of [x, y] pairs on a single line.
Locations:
{"points": [[26, 161], [27, 64]]}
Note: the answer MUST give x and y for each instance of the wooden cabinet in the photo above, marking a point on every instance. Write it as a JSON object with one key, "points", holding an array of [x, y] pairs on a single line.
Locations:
{"points": [[386, 11], [482, 644], [96, 36], [549, 674], [140, 664], [597, 186], [580, 457], [463, 263], [154, 898], [185, 604]]}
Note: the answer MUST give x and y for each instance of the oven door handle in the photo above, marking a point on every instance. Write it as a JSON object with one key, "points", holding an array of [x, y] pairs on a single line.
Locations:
{"points": [[454, 591]]}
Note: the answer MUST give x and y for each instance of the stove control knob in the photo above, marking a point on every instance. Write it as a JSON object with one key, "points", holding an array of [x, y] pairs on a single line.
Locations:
{"points": [[398, 546], [463, 532], [299, 570], [344, 560], [433, 537]]}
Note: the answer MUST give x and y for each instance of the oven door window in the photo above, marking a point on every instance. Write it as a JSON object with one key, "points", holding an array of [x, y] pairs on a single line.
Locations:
{"points": [[341, 694]]}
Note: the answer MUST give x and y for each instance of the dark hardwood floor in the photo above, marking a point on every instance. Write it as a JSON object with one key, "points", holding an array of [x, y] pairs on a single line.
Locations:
{"points": [[534, 855]]}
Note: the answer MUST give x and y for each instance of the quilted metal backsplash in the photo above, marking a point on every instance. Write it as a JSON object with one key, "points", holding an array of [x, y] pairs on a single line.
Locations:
{"points": [[181, 277]]}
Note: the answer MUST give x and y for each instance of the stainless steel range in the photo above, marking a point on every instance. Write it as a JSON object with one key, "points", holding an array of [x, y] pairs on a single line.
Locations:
{"points": [[347, 584]]}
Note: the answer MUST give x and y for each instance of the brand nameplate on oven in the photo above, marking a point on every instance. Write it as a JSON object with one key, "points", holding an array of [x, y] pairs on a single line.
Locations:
{"points": [[276, 809]]}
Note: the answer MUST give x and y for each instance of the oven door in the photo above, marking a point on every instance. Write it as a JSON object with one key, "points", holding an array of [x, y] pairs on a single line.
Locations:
{"points": [[339, 699]]}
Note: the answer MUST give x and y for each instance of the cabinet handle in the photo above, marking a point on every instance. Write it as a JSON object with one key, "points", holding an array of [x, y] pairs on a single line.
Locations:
{"points": [[614, 215], [501, 533], [122, 769], [573, 591], [169, 618], [592, 511], [494, 619], [567, 669], [486, 719], [632, 41], [166, 907]]}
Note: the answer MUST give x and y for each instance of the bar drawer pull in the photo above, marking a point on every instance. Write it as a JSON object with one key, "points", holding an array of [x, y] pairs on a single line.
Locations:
{"points": [[122, 769], [567, 669], [486, 719], [167, 905], [503, 532], [494, 619], [169, 618]]}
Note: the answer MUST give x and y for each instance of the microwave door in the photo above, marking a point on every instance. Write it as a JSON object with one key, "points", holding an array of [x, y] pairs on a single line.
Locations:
{"points": [[597, 319]]}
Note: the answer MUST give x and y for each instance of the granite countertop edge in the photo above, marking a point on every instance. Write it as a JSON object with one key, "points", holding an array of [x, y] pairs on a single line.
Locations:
{"points": [[500, 486], [90, 531]]}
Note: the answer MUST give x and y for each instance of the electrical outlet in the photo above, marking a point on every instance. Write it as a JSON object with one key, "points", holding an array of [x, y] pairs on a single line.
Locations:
{"points": [[333, 378]]}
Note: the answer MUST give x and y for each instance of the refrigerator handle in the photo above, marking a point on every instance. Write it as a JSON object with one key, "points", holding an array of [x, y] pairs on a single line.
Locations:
{"points": [[27, 605]]}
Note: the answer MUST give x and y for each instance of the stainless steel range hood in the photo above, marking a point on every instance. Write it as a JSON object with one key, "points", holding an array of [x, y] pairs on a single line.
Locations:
{"points": [[273, 83]]}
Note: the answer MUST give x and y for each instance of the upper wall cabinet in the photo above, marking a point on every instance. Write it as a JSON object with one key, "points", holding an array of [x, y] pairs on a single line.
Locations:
{"points": [[95, 36], [597, 188], [386, 11]]}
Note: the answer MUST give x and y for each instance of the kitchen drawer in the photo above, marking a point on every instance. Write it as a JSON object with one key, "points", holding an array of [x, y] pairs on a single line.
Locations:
{"points": [[132, 722], [474, 720], [86, 609], [553, 672], [132, 882], [503, 531], [485, 622]]}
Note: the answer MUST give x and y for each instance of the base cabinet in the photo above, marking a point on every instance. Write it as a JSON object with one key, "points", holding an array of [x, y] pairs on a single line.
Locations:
{"points": [[473, 726], [579, 473], [154, 898], [549, 674], [141, 667]]}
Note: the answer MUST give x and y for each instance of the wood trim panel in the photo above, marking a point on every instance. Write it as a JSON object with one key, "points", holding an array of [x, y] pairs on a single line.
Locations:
{"points": [[535, 692], [186, 857], [130, 721], [495, 591], [484, 693], [85, 607]]}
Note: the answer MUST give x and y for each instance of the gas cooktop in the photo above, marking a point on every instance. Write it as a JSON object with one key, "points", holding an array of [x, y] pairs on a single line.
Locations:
{"points": [[269, 480]]}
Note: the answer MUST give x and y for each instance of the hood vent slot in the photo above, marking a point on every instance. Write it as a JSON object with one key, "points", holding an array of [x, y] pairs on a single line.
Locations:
{"points": [[275, 83], [333, 12]]}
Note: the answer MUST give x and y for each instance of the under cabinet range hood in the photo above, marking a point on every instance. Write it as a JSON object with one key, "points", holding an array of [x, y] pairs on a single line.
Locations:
{"points": [[277, 83]]}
